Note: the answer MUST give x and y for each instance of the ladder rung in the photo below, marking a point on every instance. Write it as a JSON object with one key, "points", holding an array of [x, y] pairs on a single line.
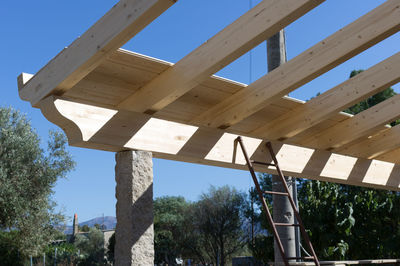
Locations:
{"points": [[267, 164], [300, 258], [284, 224], [276, 193]]}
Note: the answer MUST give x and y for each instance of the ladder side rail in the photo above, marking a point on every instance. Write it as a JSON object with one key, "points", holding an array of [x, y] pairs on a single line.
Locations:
{"points": [[261, 196], [296, 212]]}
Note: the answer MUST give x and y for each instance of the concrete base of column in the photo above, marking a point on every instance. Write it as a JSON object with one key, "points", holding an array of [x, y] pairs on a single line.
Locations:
{"points": [[134, 236]]}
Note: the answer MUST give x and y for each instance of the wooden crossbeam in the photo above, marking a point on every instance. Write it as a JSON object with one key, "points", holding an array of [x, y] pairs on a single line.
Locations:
{"points": [[258, 24], [344, 44], [393, 155], [119, 25], [361, 125], [328, 104], [109, 129], [375, 146]]}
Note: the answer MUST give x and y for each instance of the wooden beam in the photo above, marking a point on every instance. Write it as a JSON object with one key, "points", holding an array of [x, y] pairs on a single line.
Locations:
{"points": [[392, 156], [261, 22], [361, 125], [376, 145], [119, 25], [368, 30], [328, 104], [86, 126]]}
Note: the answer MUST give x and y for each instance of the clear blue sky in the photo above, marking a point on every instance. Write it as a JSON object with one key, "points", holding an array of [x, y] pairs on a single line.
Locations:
{"points": [[35, 31]]}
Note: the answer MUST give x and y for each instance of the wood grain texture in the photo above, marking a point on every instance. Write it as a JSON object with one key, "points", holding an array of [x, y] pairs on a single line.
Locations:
{"points": [[361, 125], [216, 148], [375, 146], [334, 50], [346, 94], [119, 25], [255, 26]]}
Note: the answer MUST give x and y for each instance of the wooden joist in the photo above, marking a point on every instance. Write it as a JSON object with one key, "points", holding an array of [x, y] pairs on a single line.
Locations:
{"points": [[376, 145], [118, 26], [258, 24], [344, 44], [346, 94], [361, 125], [393, 155], [101, 128]]}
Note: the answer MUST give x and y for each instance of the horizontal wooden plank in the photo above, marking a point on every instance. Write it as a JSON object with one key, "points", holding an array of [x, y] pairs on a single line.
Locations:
{"points": [[375, 146], [255, 26], [328, 104], [110, 129], [119, 25], [361, 125], [334, 50]]}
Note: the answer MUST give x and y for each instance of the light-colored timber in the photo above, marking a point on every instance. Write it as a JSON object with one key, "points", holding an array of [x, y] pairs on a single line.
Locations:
{"points": [[91, 127], [375, 146], [111, 99], [118, 26], [258, 24], [329, 103], [363, 124], [368, 30]]}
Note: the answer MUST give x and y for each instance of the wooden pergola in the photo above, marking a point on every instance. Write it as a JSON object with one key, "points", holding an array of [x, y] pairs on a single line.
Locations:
{"points": [[111, 99]]}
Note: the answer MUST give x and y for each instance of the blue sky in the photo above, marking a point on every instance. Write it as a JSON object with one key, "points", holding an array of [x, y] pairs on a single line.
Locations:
{"points": [[35, 31]]}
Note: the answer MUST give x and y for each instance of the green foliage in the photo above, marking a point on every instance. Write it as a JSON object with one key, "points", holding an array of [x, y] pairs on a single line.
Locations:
{"points": [[371, 101], [204, 231], [9, 254], [28, 175], [263, 248], [218, 218], [66, 254], [328, 216], [169, 219], [84, 228], [111, 249], [91, 247], [342, 218]]}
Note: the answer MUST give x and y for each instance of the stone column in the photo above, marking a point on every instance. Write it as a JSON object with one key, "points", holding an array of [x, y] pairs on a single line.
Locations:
{"points": [[134, 236]]}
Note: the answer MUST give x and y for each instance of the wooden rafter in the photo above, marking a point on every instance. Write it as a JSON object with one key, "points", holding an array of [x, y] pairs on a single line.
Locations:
{"points": [[363, 124], [258, 24], [393, 155], [344, 44], [118, 26], [346, 94], [376, 145], [111, 99], [90, 127]]}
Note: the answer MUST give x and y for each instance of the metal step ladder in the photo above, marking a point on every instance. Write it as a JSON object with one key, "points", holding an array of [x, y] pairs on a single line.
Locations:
{"points": [[261, 193]]}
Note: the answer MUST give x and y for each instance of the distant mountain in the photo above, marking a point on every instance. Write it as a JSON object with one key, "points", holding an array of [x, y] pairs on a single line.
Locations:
{"points": [[109, 223]]}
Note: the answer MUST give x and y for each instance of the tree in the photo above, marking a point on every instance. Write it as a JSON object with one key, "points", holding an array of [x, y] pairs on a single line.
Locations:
{"points": [[340, 218], [111, 249], [67, 253], [218, 217], [371, 101], [84, 228], [169, 219], [27, 177], [91, 247]]}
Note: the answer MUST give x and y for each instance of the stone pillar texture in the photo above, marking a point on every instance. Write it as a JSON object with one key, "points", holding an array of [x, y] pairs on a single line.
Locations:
{"points": [[134, 234]]}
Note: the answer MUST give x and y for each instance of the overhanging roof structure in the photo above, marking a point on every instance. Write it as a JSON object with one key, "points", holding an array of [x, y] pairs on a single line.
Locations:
{"points": [[111, 99]]}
